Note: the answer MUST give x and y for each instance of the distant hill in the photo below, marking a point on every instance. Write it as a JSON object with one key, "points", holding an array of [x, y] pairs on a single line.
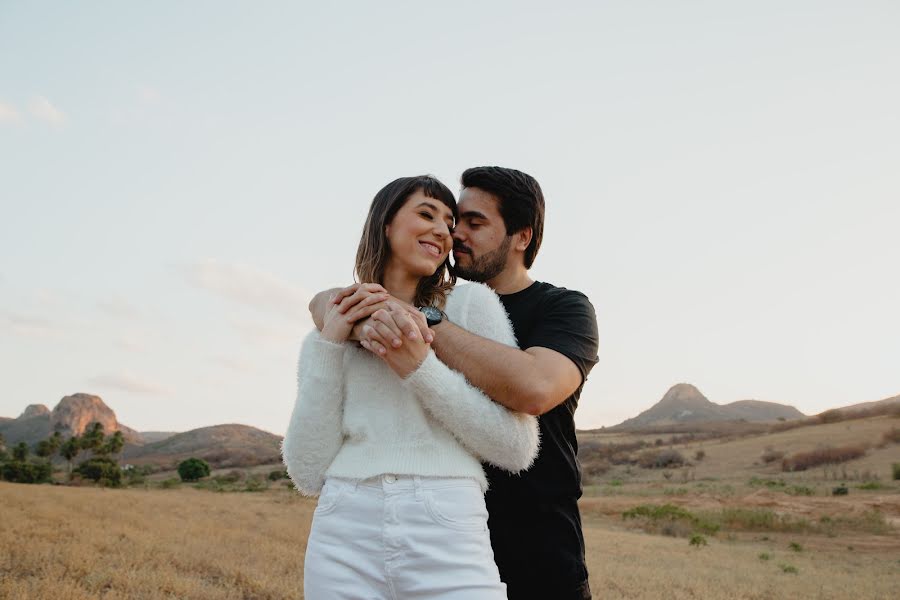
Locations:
{"points": [[157, 436], [71, 416], [220, 445], [684, 403], [870, 406]]}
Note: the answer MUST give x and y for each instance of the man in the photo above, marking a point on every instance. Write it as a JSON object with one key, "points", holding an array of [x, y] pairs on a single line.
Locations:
{"points": [[534, 520]]}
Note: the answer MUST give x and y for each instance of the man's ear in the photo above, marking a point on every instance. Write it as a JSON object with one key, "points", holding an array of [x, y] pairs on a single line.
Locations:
{"points": [[523, 238]]}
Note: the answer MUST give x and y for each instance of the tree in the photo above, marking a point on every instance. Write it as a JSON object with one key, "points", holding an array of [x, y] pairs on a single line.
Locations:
{"points": [[101, 469], [70, 449], [92, 437], [20, 471], [193, 469], [44, 449], [113, 444], [20, 451]]}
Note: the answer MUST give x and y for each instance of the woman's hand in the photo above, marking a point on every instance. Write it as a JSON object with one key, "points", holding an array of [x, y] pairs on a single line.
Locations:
{"points": [[348, 306], [403, 358]]}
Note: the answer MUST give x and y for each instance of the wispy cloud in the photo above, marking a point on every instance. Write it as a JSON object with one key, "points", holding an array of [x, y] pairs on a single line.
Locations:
{"points": [[30, 326], [130, 344], [9, 114], [231, 363], [128, 382], [262, 334], [250, 286], [120, 308], [42, 109]]}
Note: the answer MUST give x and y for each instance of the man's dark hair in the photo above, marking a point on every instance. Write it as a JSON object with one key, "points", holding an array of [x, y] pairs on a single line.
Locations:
{"points": [[521, 201]]}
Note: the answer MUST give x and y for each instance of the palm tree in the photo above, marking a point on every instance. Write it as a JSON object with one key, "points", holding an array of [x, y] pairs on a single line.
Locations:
{"points": [[70, 449], [92, 438], [114, 444]]}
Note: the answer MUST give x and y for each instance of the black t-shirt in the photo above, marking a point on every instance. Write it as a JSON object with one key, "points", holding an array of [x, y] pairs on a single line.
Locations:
{"points": [[534, 520]]}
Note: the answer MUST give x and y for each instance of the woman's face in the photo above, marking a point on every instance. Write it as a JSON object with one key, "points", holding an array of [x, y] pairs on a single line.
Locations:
{"points": [[419, 235]]}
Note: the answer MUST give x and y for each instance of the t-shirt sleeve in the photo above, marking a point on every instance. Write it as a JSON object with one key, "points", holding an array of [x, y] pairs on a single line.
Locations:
{"points": [[568, 325]]}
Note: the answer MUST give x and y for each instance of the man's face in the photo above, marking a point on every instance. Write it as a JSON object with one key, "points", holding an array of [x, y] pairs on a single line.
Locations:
{"points": [[480, 244]]}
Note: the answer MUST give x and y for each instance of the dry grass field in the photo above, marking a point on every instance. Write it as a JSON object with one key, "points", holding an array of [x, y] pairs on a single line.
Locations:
{"points": [[765, 534]]}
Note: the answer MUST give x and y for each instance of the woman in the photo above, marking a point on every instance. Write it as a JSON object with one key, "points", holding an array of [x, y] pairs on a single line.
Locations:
{"points": [[393, 443]]}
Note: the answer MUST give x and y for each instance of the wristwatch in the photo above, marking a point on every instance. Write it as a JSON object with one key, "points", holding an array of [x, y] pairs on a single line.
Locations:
{"points": [[432, 314]]}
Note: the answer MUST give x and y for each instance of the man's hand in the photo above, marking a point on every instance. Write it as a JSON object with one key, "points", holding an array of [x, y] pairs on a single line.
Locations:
{"points": [[382, 336]]}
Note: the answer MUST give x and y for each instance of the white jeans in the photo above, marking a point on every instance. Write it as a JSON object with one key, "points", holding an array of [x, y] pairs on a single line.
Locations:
{"points": [[401, 538]]}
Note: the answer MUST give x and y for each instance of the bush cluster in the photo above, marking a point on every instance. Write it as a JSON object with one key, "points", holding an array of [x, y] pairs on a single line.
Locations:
{"points": [[821, 456], [102, 470], [19, 471], [661, 459]]}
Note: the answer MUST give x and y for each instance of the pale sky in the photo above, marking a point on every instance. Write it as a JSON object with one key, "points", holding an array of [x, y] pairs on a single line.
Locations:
{"points": [[722, 180]]}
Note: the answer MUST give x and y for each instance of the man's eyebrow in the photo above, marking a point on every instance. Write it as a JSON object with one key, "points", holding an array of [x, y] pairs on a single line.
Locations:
{"points": [[473, 214]]}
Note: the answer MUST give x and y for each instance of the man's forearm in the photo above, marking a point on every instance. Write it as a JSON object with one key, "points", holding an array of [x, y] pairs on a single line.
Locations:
{"points": [[319, 305], [500, 371]]}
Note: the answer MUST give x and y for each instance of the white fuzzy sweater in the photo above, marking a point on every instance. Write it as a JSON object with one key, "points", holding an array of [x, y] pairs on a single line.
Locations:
{"points": [[355, 418]]}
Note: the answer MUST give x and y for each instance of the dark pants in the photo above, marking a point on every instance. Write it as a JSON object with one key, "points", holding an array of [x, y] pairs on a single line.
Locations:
{"points": [[582, 592]]}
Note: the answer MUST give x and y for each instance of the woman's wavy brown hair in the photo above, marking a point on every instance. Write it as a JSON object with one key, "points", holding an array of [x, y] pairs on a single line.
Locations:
{"points": [[374, 249]]}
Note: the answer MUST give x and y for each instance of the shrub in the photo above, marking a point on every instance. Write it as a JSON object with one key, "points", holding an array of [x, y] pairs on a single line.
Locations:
{"points": [[661, 459], [764, 556], [795, 547], [193, 469], [896, 471], [697, 540], [101, 469], [668, 514], [19, 471], [891, 436], [841, 490], [799, 490], [254, 484], [831, 416], [171, 482], [770, 455], [699, 455], [788, 568], [821, 456], [278, 474], [232, 476], [871, 485]]}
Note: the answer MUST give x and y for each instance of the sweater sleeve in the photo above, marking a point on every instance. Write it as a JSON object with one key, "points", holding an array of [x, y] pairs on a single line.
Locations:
{"points": [[314, 434], [492, 432]]}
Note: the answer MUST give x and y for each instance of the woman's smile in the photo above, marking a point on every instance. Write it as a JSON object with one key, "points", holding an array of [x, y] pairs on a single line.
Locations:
{"points": [[431, 248]]}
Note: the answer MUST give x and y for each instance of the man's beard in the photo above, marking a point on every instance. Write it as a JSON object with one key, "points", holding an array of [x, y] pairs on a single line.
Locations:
{"points": [[484, 268]]}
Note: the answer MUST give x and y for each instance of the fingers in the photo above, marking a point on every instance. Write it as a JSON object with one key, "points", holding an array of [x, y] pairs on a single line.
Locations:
{"points": [[409, 326], [387, 328], [366, 308], [421, 322], [362, 291], [347, 291]]}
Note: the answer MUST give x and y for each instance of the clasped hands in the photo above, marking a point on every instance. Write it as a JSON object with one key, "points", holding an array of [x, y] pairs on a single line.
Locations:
{"points": [[389, 328]]}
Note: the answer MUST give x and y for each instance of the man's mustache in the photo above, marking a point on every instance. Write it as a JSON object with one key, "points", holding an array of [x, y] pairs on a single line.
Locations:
{"points": [[457, 247]]}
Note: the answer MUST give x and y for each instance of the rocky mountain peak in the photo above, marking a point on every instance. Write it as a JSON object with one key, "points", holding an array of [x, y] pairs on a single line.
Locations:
{"points": [[34, 410], [684, 395], [74, 413]]}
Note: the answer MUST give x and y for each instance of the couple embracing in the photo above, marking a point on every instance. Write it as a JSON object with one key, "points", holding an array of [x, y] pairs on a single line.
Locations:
{"points": [[436, 421]]}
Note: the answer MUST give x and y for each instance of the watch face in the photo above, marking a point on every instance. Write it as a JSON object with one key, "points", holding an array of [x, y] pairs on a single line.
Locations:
{"points": [[432, 314]]}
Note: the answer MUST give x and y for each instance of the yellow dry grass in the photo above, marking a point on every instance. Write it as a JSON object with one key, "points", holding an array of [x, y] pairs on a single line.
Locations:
{"points": [[84, 543]]}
